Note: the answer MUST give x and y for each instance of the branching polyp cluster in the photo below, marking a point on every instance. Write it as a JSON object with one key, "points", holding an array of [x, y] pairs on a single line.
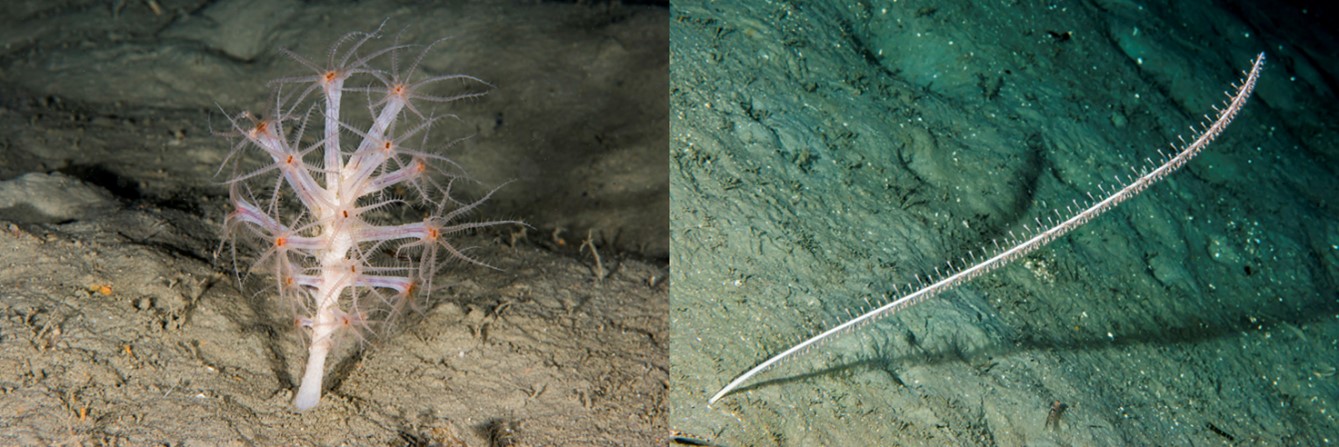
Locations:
{"points": [[326, 258]]}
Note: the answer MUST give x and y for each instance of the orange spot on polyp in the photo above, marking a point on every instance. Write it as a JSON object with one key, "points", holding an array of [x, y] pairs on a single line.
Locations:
{"points": [[330, 76], [280, 241], [432, 233]]}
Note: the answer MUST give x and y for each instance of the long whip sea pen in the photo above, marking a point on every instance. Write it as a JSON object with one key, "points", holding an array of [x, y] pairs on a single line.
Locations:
{"points": [[1182, 155]]}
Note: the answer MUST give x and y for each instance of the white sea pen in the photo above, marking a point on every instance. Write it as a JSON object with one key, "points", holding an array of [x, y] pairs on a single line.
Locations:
{"points": [[328, 259], [1133, 187]]}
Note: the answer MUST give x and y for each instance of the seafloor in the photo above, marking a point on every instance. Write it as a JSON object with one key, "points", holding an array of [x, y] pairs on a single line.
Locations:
{"points": [[823, 152], [122, 324]]}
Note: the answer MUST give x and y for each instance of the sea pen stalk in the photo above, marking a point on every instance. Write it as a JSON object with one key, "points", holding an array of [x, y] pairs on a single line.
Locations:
{"points": [[1136, 185]]}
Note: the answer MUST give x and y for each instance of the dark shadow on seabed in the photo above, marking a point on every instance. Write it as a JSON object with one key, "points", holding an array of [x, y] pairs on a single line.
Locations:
{"points": [[875, 355]]}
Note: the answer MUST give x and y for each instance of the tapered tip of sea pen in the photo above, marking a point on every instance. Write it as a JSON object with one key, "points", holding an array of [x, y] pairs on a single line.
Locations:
{"points": [[715, 398], [737, 382]]}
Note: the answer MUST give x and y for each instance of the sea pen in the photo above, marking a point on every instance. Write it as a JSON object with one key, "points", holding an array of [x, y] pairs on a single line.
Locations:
{"points": [[1133, 186], [314, 211]]}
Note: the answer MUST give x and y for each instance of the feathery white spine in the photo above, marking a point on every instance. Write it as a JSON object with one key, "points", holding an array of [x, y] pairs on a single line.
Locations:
{"points": [[1208, 134]]}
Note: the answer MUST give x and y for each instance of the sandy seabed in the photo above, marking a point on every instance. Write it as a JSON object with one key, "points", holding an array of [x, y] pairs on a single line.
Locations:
{"points": [[122, 324], [826, 154]]}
